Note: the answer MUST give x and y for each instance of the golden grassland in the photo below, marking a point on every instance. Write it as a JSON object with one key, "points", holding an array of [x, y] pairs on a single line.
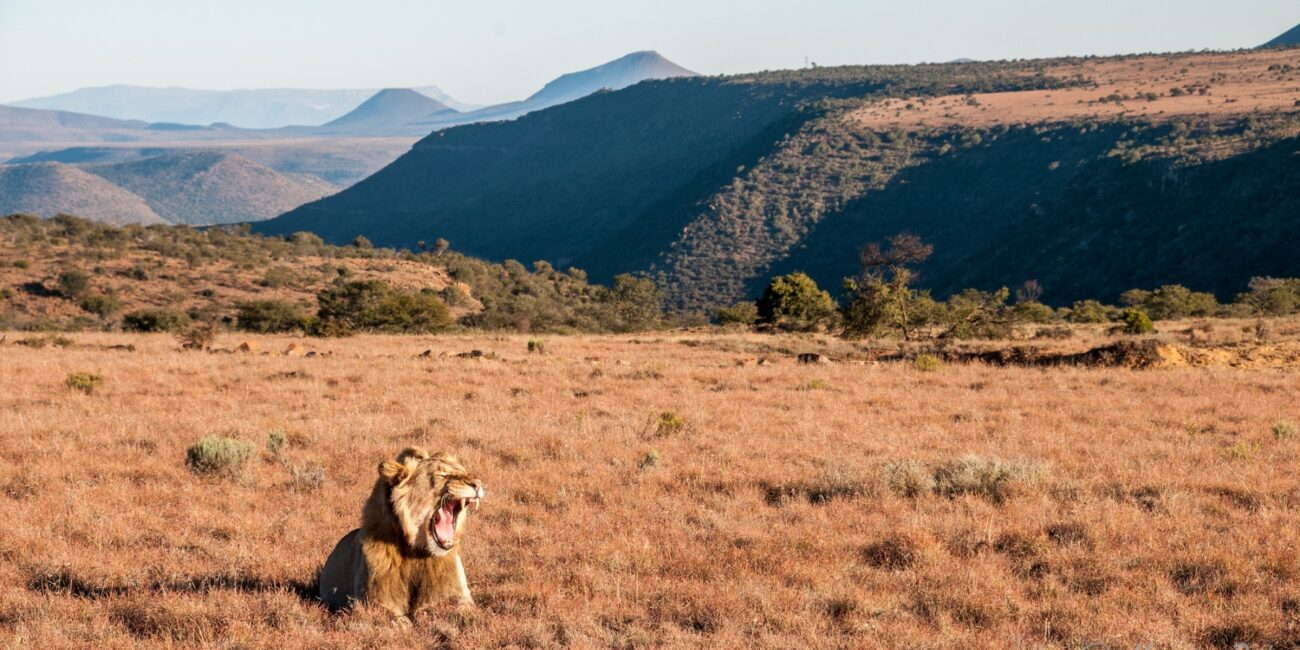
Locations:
{"points": [[1236, 84], [652, 491]]}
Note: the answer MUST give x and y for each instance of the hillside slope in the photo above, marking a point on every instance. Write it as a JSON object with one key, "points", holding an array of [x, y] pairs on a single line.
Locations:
{"points": [[48, 189], [1291, 37], [711, 185], [211, 187]]}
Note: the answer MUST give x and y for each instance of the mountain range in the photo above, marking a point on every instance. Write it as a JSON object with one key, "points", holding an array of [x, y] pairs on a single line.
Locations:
{"points": [[1092, 176], [250, 109], [249, 174]]}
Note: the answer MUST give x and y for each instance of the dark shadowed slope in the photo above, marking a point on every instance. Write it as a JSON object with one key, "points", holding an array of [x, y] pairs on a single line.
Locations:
{"points": [[388, 109], [47, 189], [212, 187], [1292, 37]]}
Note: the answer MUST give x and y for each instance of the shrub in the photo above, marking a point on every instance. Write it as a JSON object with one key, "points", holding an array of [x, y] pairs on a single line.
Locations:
{"points": [[214, 454], [1033, 312], [927, 362], [1135, 321], [22, 264], [271, 316], [276, 442], [307, 477], [362, 242], [1088, 311], [536, 346], [794, 301], [373, 305], [669, 423], [1284, 430], [73, 284], [650, 459], [155, 320], [987, 477], [84, 381], [907, 478], [741, 313], [278, 276], [102, 305]]}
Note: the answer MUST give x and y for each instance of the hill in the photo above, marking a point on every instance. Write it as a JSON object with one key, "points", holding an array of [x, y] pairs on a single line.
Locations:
{"points": [[389, 108], [211, 187], [711, 185], [48, 189], [1291, 37], [622, 72], [252, 109]]}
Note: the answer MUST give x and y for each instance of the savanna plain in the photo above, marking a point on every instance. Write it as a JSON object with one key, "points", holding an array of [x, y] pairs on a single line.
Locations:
{"points": [[684, 489]]}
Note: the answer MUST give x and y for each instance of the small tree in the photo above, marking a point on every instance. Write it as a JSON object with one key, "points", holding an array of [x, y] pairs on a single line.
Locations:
{"points": [[362, 242], [883, 299], [636, 301], [794, 301]]}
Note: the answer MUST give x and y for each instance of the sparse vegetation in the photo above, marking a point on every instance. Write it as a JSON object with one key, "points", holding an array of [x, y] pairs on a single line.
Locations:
{"points": [[927, 363], [218, 455], [85, 382]]}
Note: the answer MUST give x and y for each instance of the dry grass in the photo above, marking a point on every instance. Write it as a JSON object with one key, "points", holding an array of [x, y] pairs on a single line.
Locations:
{"points": [[1095, 505], [1238, 84]]}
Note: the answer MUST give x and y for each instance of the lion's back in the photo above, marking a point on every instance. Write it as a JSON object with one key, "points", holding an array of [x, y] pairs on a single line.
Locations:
{"points": [[340, 579]]}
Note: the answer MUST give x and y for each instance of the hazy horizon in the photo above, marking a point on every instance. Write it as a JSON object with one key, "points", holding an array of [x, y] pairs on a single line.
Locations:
{"points": [[506, 52]]}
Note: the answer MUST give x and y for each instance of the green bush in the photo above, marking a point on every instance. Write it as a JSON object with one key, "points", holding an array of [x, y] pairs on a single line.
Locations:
{"points": [[1089, 311], [214, 454], [102, 305], [1171, 301], [84, 381], [373, 305], [794, 301], [536, 346], [155, 320], [73, 284], [271, 316], [650, 459], [741, 313], [1134, 321], [1033, 312], [669, 423]]}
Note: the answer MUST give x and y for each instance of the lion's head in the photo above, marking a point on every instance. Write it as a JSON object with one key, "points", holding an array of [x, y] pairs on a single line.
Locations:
{"points": [[429, 496]]}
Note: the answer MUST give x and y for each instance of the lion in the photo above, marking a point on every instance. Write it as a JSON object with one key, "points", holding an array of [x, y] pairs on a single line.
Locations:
{"points": [[406, 554]]}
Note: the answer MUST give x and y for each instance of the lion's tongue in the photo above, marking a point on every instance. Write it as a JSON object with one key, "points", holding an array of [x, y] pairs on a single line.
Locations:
{"points": [[444, 522]]}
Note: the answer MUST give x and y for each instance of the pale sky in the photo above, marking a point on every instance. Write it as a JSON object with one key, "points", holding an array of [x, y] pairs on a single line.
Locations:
{"points": [[487, 51]]}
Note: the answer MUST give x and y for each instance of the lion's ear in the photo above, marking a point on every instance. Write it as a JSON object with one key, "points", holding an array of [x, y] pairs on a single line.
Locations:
{"points": [[393, 472], [410, 454]]}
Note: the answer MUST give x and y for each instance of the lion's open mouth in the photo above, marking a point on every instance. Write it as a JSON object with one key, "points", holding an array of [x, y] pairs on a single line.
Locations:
{"points": [[444, 522]]}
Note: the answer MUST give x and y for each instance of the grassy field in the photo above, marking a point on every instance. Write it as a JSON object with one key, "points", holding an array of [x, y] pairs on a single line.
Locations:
{"points": [[654, 490]]}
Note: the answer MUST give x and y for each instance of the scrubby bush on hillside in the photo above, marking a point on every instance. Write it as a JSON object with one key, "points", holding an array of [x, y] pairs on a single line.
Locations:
{"points": [[155, 320], [73, 284], [217, 455], [795, 302], [1171, 301], [741, 313], [883, 300], [102, 305], [271, 316], [375, 306], [1089, 311], [1135, 321], [1272, 296]]}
